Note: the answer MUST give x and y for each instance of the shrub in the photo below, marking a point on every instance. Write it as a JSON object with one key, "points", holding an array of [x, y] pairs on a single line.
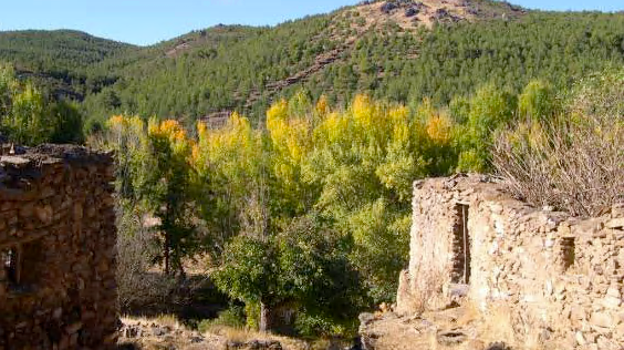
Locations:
{"points": [[312, 326], [537, 101], [233, 317], [575, 161], [28, 117], [136, 285]]}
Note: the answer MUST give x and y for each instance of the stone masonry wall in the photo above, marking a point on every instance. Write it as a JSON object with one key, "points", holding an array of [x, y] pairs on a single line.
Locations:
{"points": [[559, 279], [430, 254], [57, 250]]}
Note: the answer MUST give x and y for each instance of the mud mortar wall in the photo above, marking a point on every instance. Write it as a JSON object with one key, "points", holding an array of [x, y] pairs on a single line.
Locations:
{"points": [[57, 250], [556, 279]]}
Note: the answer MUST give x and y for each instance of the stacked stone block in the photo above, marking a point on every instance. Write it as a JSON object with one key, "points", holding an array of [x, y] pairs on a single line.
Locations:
{"points": [[559, 278], [57, 228]]}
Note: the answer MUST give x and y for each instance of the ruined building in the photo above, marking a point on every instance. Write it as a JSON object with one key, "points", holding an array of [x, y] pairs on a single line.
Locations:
{"points": [[557, 280], [57, 250]]}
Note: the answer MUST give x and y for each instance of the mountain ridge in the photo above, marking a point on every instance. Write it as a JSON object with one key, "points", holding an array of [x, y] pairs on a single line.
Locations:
{"points": [[401, 50]]}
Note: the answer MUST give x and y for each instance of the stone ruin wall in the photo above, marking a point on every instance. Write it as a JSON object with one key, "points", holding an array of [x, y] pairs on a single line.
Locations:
{"points": [[57, 250], [557, 279]]}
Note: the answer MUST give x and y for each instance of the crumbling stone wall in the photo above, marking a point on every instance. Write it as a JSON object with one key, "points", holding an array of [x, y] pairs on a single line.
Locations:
{"points": [[57, 250], [558, 279]]}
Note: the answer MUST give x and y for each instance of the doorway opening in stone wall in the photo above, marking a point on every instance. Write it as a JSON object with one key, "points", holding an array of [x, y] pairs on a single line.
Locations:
{"points": [[568, 254], [21, 266], [10, 260], [461, 245]]}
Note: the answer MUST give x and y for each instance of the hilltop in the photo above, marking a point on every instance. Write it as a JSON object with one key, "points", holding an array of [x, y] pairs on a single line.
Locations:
{"points": [[402, 50]]}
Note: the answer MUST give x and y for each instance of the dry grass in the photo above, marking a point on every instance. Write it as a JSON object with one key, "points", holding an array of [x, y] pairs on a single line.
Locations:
{"points": [[179, 336], [244, 335], [234, 334], [164, 320], [470, 315]]}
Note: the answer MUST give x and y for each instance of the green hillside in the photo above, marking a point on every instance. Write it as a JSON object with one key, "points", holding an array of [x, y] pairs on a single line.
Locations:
{"points": [[61, 60], [446, 49], [57, 51], [244, 68]]}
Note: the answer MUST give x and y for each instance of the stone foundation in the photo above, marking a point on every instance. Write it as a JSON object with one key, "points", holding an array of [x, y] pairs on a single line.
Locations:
{"points": [[57, 250], [558, 279]]}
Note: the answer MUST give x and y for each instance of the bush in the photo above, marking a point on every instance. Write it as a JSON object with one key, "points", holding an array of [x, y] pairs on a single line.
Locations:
{"points": [[137, 287], [252, 310], [312, 326], [233, 317], [575, 161], [28, 117]]}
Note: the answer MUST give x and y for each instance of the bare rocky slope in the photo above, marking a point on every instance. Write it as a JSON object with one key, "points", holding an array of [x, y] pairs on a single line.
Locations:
{"points": [[377, 16]]}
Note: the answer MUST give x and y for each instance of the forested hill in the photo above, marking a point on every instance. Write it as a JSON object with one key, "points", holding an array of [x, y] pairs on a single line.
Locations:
{"points": [[401, 50], [60, 59], [57, 50]]}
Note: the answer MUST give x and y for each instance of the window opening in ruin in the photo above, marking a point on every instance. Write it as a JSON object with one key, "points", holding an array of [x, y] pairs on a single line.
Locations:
{"points": [[11, 263], [568, 247], [461, 245]]}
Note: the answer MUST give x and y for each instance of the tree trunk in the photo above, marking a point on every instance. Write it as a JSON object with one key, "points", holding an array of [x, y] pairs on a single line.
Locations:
{"points": [[166, 253], [266, 318], [165, 226], [181, 272]]}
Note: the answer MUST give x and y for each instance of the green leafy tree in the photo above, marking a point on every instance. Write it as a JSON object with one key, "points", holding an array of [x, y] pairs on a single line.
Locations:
{"points": [[168, 191], [27, 117], [305, 267], [154, 173], [248, 273], [490, 108], [28, 122], [68, 123], [537, 101]]}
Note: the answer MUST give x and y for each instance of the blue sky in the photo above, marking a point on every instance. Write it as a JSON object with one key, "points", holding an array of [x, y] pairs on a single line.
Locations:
{"points": [[149, 21]]}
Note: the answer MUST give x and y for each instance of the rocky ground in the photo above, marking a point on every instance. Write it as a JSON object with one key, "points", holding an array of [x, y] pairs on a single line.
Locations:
{"points": [[155, 334], [455, 328]]}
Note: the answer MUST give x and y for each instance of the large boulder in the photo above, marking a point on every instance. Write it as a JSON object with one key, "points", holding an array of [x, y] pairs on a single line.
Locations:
{"points": [[389, 7], [411, 12]]}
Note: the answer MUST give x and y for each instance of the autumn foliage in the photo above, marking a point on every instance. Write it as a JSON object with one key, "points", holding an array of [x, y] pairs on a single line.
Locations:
{"points": [[325, 189]]}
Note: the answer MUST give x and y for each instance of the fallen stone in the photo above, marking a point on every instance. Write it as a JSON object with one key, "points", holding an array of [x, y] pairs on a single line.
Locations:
{"points": [[611, 303], [602, 319], [71, 329], [451, 338], [411, 12], [580, 339], [614, 292], [607, 344], [366, 318], [498, 346], [615, 223], [14, 161]]}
